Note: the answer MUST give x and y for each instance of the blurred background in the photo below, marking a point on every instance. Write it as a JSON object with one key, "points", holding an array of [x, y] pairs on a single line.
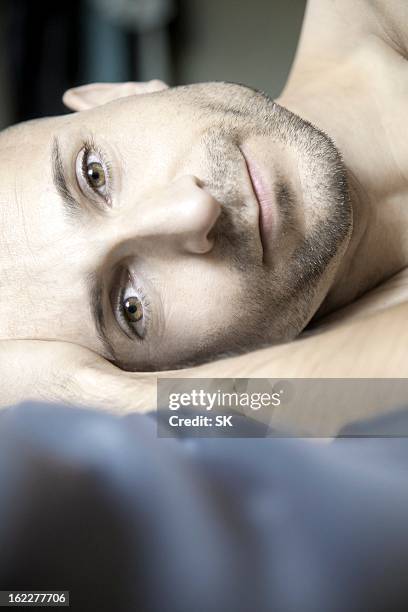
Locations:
{"points": [[48, 46]]}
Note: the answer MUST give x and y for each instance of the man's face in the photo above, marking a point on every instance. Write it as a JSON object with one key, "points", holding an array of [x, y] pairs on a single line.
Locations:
{"points": [[169, 227]]}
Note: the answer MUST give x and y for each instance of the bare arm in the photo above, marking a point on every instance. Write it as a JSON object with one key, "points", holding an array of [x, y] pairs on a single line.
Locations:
{"points": [[366, 347], [64, 372], [374, 346]]}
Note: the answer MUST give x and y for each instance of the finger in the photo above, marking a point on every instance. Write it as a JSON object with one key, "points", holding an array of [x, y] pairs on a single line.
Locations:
{"points": [[105, 387], [96, 94]]}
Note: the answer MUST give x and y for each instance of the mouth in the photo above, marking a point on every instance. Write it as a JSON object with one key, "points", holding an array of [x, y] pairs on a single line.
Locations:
{"points": [[264, 196]]}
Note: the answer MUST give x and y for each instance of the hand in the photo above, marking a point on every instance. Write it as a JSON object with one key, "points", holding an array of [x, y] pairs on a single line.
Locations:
{"points": [[96, 94], [71, 374]]}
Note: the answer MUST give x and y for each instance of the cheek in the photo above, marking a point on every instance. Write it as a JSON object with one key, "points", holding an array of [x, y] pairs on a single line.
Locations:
{"points": [[197, 307], [197, 303]]}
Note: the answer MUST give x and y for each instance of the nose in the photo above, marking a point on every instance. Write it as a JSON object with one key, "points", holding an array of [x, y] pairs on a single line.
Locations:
{"points": [[181, 215]]}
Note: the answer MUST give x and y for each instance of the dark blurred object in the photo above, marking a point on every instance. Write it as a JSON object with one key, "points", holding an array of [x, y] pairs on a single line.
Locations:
{"points": [[42, 45], [127, 521], [128, 39], [50, 46]]}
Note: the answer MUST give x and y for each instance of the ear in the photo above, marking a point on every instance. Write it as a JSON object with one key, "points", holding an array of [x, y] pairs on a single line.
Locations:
{"points": [[95, 94]]}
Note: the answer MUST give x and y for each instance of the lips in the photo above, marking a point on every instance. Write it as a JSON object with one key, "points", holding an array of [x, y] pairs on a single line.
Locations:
{"points": [[263, 194]]}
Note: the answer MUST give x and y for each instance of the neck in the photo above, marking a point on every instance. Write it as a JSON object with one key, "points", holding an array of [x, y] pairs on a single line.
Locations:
{"points": [[350, 78]]}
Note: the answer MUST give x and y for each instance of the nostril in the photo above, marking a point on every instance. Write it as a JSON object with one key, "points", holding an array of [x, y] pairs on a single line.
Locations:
{"points": [[189, 181], [199, 182], [199, 245]]}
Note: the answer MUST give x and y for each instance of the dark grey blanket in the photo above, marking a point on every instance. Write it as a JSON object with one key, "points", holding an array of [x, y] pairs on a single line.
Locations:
{"points": [[127, 521]]}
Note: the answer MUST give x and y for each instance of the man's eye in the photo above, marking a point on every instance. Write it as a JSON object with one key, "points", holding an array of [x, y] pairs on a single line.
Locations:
{"points": [[133, 312], [93, 172], [133, 309], [95, 175], [130, 305]]}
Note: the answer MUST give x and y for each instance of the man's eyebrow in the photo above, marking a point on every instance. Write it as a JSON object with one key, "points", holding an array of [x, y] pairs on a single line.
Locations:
{"points": [[71, 205], [96, 305]]}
